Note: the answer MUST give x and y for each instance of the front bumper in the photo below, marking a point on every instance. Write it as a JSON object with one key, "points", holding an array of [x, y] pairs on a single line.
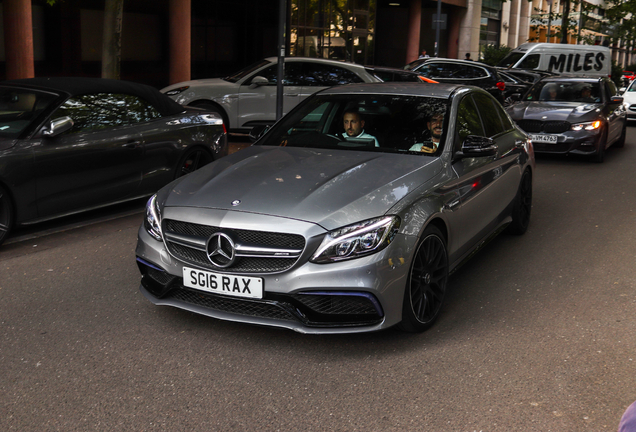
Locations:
{"points": [[571, 142], [358, 295]]}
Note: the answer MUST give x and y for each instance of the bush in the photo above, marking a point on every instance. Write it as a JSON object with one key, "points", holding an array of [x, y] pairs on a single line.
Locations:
{"points": [[493, 54]]}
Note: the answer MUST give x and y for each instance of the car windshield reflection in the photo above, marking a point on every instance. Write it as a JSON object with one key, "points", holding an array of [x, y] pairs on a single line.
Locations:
{"points": [[377, 123]]}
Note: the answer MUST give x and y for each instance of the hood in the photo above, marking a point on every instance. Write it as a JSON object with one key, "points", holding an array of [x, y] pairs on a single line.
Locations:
{"points": [[331, 188], [554, 111]]}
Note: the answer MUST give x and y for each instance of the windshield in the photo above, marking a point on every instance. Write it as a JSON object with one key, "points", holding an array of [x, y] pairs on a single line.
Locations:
{"points": [[377, 123], [511, 59], [563, 91], [19, 107], [246, 71]]}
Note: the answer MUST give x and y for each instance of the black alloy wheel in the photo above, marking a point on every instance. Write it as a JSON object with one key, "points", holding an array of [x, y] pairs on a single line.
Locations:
{"points": [[193, 160], [522, 206], [426, 286], [6, 214]]}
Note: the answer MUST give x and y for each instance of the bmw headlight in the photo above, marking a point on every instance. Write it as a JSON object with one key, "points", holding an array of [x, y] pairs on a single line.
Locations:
{"points": [[356, 240], [152, 222], [586, 126]]}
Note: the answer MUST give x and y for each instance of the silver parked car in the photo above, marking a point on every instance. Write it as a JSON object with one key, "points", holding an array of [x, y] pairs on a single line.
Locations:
{"points": [[248, 97], [322, 230]]}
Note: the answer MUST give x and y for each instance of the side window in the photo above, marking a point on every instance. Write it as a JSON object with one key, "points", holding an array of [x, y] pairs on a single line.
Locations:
{"points": [[320, 75], [489, 114], [140, 111], [293, 74], [426, 70], [476, 72], [530, 62], [468, 122], [94, 112], [611, 88]]}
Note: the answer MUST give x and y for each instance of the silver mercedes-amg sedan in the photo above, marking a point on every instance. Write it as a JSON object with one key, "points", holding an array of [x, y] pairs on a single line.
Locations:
{"points": [[348, 215]]}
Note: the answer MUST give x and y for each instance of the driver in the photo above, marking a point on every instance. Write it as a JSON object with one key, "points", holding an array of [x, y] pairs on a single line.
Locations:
{"points": [[354, 126], [435, 126]]}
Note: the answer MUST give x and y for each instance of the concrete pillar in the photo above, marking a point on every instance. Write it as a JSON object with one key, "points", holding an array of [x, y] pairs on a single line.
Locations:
{"points": [[469, 31], [180, 15], [524, 23], [18, 39], [415, 23]]}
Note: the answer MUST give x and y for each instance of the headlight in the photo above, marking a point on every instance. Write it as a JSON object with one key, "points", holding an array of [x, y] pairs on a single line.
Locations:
{"points": [[176, 91], [586, 126], [152, 222], [360, 239]]}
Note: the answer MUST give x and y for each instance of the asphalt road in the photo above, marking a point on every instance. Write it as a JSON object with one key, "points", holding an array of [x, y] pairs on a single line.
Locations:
{"points": [[538, 334]]}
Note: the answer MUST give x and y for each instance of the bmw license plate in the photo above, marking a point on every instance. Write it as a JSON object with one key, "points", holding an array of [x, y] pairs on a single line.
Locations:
{"points": [[545, 139], [231, 285]]}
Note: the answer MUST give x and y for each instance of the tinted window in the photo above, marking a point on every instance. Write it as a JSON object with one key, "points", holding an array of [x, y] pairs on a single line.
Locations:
{"points": [[19, 107], [468, 122], [530, 62], [489, 115], [96, 111], [322, 75], [293, 74], [140, 111]]}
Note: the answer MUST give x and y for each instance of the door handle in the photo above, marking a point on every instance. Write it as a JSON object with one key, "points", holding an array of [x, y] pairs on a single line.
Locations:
{"points": [[132, 144]]}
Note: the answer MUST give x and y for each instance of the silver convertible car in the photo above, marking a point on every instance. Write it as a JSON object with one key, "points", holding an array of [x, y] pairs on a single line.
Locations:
{"points": [[321, 230]]}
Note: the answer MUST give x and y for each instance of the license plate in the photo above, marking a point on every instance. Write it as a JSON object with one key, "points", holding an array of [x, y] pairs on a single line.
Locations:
{"points": [[231, 285], [546, 139]]}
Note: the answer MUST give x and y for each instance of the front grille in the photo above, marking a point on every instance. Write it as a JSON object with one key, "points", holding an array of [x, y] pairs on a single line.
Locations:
{"points": [[337, 304], [532, 126], [259, 239], [246, 307]]}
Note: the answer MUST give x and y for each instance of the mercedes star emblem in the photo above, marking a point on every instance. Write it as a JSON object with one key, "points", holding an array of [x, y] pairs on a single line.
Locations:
{"points": [[220, 250]]}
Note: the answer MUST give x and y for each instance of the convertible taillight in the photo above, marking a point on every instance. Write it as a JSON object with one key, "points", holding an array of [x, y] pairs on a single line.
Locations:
{"points": [[501, 85]]}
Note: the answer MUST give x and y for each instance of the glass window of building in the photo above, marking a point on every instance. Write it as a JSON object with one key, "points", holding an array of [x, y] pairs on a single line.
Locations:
{"points": [[333, 29]]}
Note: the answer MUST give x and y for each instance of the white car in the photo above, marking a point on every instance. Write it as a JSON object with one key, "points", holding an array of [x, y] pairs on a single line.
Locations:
{"points": [[248, 97], [629, 101]]}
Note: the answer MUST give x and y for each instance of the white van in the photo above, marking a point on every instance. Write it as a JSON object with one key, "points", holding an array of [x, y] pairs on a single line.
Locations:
{"points": [[590, 60]]}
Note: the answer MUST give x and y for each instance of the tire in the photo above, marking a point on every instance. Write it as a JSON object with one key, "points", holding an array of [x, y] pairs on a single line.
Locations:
{"points": [[6, 214], [426, 286], [599, 157], [214, 108], [192, 160], [522, 206], [621, 141]]}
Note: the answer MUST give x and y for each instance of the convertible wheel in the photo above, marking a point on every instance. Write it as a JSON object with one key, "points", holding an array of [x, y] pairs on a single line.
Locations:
{"points": [[193, 160], [522, 206], [425, 289], [6, 214]]}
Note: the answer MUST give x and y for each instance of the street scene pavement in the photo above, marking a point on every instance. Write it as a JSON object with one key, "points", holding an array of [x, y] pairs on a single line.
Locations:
{"points": [[537, 334]]}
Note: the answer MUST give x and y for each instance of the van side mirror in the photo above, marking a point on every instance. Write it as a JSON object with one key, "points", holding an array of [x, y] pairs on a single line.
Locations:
{"points": [[57, 126]]}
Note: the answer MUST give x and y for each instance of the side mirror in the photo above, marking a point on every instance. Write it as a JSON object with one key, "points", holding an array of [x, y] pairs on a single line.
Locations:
{"points": [[258, 81], [258, 131], [617, 100], [477, 146], [57, 126]]}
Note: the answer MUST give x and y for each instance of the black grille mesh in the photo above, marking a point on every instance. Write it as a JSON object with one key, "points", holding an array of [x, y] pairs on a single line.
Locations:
{"points": [[335, 305], [541, 126], [242, 265], [236, 306]]}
